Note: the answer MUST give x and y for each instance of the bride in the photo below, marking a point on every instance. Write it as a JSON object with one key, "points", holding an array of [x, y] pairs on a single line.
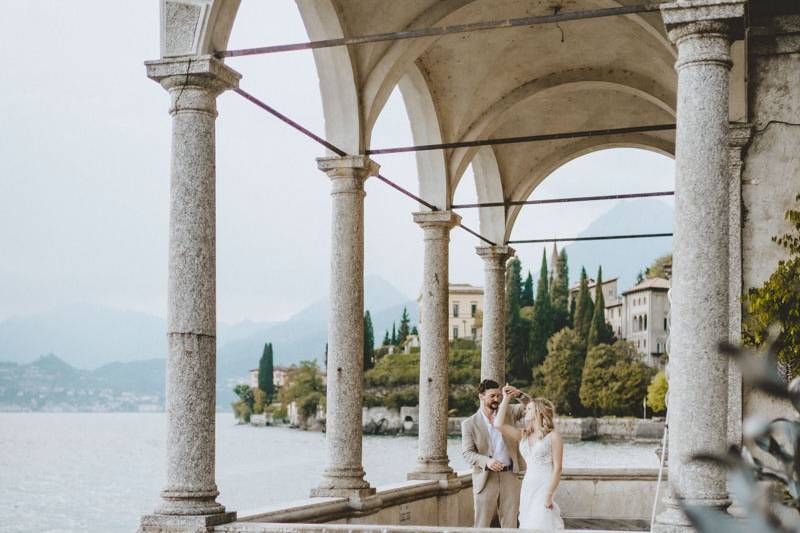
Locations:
{"points": [[543, 450]]}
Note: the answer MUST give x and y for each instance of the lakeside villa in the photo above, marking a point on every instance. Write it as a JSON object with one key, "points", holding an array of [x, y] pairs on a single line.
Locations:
{"points": [[712, 83]]}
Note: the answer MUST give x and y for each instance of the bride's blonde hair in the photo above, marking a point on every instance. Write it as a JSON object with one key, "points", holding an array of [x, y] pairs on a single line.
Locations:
{"points": [[545, 411]]}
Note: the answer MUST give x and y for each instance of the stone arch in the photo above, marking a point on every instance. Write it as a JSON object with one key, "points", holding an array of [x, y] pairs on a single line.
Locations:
{"points": [[337, 77], [195, 27], [425, 129], [489, 188], [575, 150]]}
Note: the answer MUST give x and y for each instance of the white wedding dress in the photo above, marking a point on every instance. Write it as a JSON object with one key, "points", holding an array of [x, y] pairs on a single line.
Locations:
{"points": [[533, 495]]}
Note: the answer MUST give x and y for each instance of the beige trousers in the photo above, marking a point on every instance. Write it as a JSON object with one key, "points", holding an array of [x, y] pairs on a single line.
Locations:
{"points": [[499, 496]]}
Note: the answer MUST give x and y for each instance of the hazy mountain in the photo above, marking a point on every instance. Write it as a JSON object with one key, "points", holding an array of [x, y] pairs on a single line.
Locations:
{"points": [[303, 336], [626, 257]]}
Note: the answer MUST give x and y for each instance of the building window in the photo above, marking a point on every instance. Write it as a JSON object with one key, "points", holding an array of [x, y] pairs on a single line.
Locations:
{"points": [[455, 332], [645, 322], [474, 333], [644, 342], [455, 309], [473, 310], [658, 347], [644, 300], [665, 323]]}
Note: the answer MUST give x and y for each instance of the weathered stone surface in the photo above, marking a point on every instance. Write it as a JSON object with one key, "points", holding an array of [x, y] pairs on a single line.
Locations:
{"points": [[189, 497], [698, 374], [344, 473], [432, 461], [493, 340]]}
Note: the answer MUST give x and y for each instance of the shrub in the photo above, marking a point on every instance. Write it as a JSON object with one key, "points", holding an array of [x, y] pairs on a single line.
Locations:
{"points": [[560, 374], [657, 393], [614, 380], [462, 400]]}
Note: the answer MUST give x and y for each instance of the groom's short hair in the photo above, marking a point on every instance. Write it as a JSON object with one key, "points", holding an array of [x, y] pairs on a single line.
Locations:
{"points": [[487, 384]]}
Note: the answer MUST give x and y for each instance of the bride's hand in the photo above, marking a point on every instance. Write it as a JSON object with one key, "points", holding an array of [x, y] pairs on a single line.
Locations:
{"points": [[548, 504]]}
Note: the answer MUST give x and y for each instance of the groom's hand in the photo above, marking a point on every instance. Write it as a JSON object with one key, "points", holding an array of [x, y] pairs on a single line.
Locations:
{"points": [[510, 391], [494, 465]]}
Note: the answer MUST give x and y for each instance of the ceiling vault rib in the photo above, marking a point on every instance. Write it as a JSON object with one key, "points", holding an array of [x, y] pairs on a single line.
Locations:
{"points": [[645, 7]]}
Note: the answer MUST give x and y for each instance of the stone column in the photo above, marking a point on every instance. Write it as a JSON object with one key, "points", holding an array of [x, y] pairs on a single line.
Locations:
{"points": [[344, 474], [493, 336], [432, 462], [698, 398], [189, 497]]}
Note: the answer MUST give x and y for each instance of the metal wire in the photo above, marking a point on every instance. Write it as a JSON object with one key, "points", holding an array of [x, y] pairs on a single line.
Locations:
{"points": [[646, 7], [597, 238], [565, 200], [522, 139]]}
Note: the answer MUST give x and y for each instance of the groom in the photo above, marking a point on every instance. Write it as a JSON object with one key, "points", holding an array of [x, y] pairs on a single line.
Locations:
{"points": [[495, 461]]}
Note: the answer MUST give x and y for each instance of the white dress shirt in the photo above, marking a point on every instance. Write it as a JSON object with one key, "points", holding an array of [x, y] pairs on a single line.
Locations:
{"points": [[499, 450]]}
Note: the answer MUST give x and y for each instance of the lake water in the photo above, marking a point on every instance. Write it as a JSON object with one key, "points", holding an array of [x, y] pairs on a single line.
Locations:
{"points": [[100, 471]]}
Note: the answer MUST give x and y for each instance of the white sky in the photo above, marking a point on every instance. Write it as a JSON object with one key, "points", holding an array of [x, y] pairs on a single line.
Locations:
{"points": [[84, 171]]}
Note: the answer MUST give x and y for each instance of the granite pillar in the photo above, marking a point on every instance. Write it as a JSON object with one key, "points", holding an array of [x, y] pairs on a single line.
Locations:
{"points": [[432, 461], [344, 474], [189, 497], [698, 374], [493, 335]]}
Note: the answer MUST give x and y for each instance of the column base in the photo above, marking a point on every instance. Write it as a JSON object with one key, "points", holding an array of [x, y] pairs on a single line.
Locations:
{"points": [[673, 519], [163, 523], [343, 483], [432, 468]]}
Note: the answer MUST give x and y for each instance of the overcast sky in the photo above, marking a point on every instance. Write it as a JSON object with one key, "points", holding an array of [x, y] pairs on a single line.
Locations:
{"points": [[84, 171]]}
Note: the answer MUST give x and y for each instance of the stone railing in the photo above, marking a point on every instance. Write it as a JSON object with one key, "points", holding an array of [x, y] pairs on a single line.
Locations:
{"points": [[593, 496]]}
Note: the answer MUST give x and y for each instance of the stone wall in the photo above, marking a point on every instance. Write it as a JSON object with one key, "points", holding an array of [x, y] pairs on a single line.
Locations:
{"points": [[610, 494], [771, 160]]}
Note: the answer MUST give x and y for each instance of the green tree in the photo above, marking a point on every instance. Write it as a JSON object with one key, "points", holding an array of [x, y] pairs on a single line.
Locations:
{"points": [[562, 369], [305, 387], [243, 408], [777, 303], [559, 293], [405, 328], [584, 308], [369, 342], [516, 326], [526, 298], [660, 268], [265, 370], [386, 339], [394, 335], [414, 331], [614, 380], [600, 331], [542, 324], [657, 393], [572, 304]]}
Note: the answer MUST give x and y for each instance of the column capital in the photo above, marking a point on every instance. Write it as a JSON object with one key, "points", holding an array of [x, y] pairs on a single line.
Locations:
{"points": [[493, 253], [348, 165], [437, 219], [685, 18], [205, 71]]}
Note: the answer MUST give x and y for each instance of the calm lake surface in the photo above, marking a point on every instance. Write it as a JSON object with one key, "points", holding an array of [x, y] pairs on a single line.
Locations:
{"points": [[65, 472]]}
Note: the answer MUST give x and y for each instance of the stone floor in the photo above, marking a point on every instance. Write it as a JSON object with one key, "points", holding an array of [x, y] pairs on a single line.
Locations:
{"points": [[607, 524]]}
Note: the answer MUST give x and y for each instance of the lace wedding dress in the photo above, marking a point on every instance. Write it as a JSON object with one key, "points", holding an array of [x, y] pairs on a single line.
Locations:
{"points": [[532, 511]]}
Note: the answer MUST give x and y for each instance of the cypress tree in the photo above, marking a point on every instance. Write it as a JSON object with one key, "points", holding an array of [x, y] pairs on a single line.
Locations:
{"points": [[404, 330], [386, 340], [542, 323], [560, 293], [584, 308], [516, 327], [526, 299], [572, 304], [394, 335], [265, 370], [600, 331], [369, 342]]}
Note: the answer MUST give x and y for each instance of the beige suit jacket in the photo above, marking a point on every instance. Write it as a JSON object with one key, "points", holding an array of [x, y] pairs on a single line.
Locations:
{"points": [[476, 446]]}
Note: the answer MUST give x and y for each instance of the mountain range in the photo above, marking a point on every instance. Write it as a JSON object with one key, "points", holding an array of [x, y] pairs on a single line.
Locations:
{"points": [[624, 258]]}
